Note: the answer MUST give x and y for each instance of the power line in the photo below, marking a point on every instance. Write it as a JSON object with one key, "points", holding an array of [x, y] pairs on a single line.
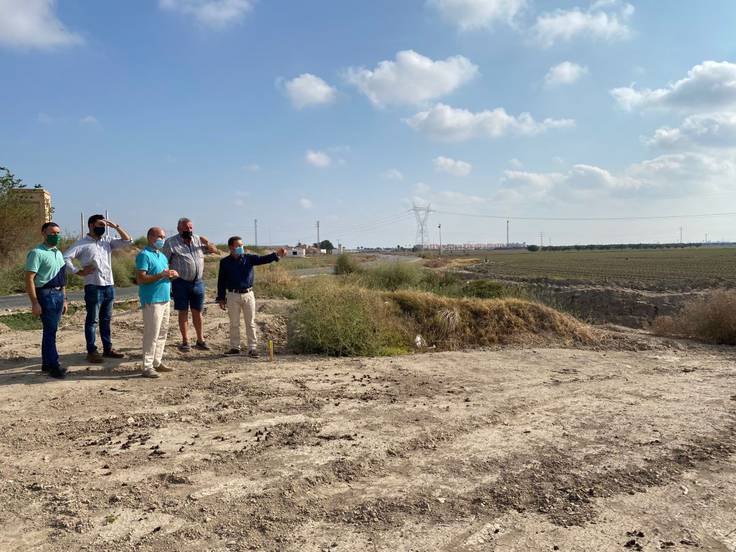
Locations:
{"points": [[591, 219]]}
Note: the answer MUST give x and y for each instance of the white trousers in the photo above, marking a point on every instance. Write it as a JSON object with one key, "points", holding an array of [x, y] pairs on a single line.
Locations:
{"points": [[155, 330], [244, 303]]}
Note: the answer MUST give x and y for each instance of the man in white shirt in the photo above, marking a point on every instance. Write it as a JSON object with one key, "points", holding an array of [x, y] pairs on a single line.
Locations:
{"points": [[94, 253]]}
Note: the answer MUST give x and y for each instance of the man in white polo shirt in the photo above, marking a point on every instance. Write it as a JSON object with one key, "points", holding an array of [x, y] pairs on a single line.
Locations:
{"points": [[94, 253]]}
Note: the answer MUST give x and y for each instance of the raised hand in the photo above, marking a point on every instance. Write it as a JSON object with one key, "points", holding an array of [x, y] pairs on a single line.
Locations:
{"points": [[281, 252]]}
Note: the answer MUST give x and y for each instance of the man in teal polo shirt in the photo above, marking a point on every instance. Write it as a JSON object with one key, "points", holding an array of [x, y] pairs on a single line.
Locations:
{"points": [[46, 287], [154, 291]]}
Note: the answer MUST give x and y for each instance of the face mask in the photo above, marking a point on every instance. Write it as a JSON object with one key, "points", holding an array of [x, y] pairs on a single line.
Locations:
{"points": [[187, 234], [159, 243], [239, 250], [53, 239], [98, 230]]}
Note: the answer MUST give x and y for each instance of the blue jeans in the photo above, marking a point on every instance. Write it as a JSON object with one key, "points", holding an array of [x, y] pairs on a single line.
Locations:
{"points": [[52, 304], [98, 300]]}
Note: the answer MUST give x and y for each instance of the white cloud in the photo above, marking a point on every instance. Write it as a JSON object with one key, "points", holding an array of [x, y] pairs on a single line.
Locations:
{"points": [[309, 90], [215, 14], [715, 130], [318, 159], [89, 120], [392, 174], [516, 163], [452, 166], [33, 24], [444, 122], [477, 14], [566, 72], [673, 175], [710, 86], [421, 189], [607, 20], [411, 79], [252, 167], [305, 203]]}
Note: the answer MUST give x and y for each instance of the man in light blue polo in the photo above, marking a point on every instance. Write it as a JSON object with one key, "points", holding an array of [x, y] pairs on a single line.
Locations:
{"points": [[94, 253], [154, 281], [46, 287]]}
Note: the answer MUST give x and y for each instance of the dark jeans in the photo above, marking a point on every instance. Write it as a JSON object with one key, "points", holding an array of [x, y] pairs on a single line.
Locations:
{"points": [[99, 301], [52, 303]]}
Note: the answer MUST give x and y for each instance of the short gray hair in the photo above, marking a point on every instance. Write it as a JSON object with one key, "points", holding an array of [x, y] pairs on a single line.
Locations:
{"points": [[182, 220]]}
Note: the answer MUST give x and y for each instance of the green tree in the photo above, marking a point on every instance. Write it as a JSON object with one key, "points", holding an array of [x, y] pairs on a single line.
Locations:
{"points": [[326, 245], [14, 232]]}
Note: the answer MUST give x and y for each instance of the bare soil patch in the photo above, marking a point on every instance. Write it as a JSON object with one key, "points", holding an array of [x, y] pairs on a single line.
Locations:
{"points": [[628, 447]]}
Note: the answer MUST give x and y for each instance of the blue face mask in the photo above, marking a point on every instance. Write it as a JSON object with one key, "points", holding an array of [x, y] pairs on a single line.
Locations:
{"points": [[239, 250], [159, 243]]}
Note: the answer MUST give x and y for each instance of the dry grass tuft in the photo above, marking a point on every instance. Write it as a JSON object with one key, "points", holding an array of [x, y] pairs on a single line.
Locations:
{"points": [[452, 323], [711, 319]]}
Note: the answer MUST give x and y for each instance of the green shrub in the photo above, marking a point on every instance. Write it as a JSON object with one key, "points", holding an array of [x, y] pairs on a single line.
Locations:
{"points": [[12, 278], [346, 264], [274, 280], [532, 247], [392, 276], [345, 320], [123, 270]]}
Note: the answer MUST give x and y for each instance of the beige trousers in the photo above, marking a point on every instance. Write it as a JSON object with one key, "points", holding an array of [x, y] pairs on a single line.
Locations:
{"points": [[244, 303], [155, 330]]}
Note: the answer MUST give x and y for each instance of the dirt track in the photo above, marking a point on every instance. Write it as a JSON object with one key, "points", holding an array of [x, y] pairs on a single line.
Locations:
{"points": [[467, 451]]}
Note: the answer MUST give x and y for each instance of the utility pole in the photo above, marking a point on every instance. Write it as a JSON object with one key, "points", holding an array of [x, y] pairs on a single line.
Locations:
{"points": [[507, 234], [440, 229], [680, 234], [317, 233], [706, 237], [255, 231], [81, 224], [541, 240]]}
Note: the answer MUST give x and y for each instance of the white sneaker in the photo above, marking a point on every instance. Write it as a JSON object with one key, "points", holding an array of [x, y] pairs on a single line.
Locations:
{"points": [[149, 373]]}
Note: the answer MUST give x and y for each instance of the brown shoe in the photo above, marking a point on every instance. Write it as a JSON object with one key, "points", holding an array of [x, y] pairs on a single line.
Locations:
{"points": [[112, 353], [94, 358], [163, 368]]}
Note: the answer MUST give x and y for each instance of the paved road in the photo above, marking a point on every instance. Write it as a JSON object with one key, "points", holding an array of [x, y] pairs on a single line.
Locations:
{"points": [[122, 294]]}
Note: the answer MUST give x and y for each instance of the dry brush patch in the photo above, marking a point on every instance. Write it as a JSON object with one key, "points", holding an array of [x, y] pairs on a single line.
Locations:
{"points": [[711, 318]]}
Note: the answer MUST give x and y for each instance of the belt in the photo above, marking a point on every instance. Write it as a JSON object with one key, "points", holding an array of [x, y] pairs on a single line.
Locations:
{"points": [[241, 290]]}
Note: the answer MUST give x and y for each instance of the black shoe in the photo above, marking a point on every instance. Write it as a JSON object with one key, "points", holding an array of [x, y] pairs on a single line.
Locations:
{"points": [[232, 352], [58, 373], [253, 353], [185, 348], [44, 368], [202, 346]]}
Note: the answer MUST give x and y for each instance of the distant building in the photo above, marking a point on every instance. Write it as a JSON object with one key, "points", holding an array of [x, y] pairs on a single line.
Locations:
{"points": [[298, 251], [40, 202]]}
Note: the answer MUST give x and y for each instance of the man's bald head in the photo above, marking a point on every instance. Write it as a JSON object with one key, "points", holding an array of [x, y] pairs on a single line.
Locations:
{"points": [[155, 233]]}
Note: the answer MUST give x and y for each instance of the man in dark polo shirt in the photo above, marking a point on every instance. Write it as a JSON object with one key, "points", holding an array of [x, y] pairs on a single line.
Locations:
{"points": [[185, 253], [235, 292]]}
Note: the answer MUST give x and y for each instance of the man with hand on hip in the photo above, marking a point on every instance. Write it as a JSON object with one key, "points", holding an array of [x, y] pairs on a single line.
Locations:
{"points": [[154, 281], [185, 253], [94, 253], [46, 287], [235, 292]]}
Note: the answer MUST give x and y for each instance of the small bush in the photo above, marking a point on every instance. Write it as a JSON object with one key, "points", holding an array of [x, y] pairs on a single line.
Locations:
{"points": [[274, 280], [392, 276], [339, 320], [532, 248], [12, 278], [711, 319], [123, 269], [346, 264]]}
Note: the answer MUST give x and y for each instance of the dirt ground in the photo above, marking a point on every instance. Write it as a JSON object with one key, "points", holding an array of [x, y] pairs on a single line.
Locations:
{"points": [[509, 449]]}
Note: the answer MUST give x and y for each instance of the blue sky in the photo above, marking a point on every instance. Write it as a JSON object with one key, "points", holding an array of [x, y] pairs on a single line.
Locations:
{"points": [[349, 112]]}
